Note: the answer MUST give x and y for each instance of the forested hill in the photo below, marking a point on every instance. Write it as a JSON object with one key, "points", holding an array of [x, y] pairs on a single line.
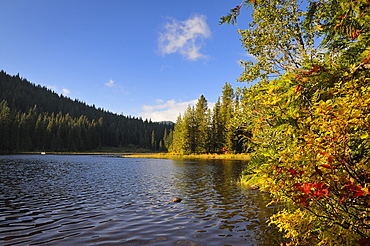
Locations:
{"points": [[34, 118]]}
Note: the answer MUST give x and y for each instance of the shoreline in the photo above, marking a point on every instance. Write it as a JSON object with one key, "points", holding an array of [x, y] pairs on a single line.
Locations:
{"points": [[74, 153], [244, 157]]}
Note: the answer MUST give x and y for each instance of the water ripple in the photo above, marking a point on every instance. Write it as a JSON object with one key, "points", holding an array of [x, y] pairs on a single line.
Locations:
{"points": [[100, 200]]}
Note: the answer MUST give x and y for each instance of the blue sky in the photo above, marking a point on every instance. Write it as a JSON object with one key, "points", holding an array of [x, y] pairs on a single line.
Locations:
{"points": [[145, 58]]}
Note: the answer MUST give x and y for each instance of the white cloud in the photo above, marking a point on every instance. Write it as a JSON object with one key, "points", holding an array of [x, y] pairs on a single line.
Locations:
{"points": [[110, 83], [65, 91], [165, 111], [185, 37]]}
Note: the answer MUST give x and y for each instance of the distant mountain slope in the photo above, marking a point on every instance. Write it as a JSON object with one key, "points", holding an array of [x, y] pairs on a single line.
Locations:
{"points": [[22, 95], [33, 117]]}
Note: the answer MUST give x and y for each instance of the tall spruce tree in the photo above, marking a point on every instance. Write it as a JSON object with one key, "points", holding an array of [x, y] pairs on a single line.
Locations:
{"points": [[5, 126], [201, 125], [217, 133], [226, 114]]}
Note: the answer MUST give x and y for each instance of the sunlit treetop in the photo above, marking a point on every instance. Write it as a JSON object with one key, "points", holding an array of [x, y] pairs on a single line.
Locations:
{"points": [[292, 35]]}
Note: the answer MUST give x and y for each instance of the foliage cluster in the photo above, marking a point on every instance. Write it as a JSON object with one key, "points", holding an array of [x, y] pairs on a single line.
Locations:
{"points": [[312, 150], [309, 115], [35, 118]]}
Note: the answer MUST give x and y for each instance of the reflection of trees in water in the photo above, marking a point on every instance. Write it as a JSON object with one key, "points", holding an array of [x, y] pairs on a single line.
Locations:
{"points": [[211, 193], [208, 180]]}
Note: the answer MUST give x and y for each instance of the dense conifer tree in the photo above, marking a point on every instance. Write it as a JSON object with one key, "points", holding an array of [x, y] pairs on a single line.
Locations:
{"points": [[179, 142], [226, 113], [201, 125], [216, 141], [5, 126]]}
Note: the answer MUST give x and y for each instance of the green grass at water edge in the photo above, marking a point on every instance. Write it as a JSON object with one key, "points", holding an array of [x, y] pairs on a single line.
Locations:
{"points": [[191, 156]]}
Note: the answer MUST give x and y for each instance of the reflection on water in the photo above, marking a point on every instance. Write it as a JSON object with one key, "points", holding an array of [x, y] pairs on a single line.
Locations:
{"points": [[103, 200]]}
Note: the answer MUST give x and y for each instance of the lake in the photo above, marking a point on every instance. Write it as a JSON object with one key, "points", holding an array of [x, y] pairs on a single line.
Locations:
{"points": [[109, 200]]}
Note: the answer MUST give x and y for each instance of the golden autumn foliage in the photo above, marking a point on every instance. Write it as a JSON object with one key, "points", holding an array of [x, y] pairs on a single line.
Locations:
{"points": [[309, 115]]}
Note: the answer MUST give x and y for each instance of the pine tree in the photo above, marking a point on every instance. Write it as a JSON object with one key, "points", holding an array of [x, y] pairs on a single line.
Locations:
{"points": [[189, 131], [216, 142], [178, 144], [226, 113], [5, 123], [201, 125]]}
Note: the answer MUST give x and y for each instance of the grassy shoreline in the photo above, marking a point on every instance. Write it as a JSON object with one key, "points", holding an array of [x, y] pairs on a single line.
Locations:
{"points": [[245, 157]]}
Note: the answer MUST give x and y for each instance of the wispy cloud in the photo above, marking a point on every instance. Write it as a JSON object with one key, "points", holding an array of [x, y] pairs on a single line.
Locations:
{"points": [[185, 37], [165, 111], [110, 83]]}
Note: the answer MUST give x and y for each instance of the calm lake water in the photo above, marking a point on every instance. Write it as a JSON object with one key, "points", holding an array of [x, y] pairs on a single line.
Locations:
{"points": [[108, 200]]}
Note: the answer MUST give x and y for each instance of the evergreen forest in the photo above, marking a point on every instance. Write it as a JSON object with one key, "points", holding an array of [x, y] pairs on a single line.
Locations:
{"points": [[218, 130], [34, 118], [306, 118]]}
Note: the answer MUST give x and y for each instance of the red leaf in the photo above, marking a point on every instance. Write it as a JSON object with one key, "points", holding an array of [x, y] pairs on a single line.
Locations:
{"points": [[306, 188], [326, 166], [359, 193], [366, 60], [305, 204], [292, 171], [342, 200]]}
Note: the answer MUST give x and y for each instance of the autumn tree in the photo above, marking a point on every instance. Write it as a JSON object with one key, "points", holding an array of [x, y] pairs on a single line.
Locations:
{"points": [[281, 38], [309, 115]]}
